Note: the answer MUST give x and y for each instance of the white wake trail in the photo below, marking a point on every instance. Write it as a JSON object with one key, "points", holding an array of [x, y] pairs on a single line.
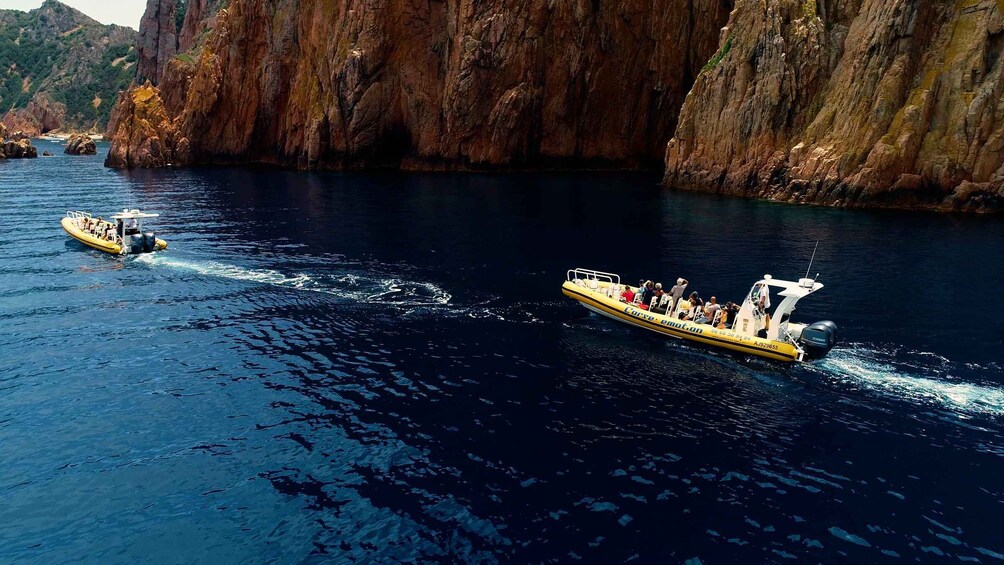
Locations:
{"points": [[353, 287], [863, 367]]}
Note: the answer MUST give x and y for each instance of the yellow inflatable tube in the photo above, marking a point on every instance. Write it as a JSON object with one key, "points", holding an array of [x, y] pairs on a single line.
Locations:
{"points": [[598, 301], [70, 227]]}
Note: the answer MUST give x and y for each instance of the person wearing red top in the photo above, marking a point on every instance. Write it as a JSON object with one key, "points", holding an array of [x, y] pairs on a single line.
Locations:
{"points": [[627, 295]]}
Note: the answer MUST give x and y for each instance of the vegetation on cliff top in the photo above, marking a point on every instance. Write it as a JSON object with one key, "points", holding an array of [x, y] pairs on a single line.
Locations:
{"points": [[76, 61]]}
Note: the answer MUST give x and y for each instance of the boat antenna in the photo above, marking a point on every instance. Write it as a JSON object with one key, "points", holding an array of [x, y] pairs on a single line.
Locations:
{"points": [[811, 259]]}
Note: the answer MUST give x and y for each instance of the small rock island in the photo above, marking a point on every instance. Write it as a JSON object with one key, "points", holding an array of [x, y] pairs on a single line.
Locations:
{"points": [[80, 144], [18, 146]]}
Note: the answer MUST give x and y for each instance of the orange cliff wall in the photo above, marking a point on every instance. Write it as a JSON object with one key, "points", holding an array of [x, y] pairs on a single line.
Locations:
{"points": [[894, 103], [424, 85]]}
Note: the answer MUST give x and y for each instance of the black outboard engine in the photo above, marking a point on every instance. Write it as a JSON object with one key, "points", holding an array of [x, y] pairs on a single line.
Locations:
{"points": [[819, 338], [149, 242]]}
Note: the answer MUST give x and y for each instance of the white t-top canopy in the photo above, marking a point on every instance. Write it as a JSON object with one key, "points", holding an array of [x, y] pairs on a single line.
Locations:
{"points": [[133, 214]]}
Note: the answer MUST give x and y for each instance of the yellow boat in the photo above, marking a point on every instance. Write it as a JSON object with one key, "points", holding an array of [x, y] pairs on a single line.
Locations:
{"points": [[751, 332], [124, 236]]}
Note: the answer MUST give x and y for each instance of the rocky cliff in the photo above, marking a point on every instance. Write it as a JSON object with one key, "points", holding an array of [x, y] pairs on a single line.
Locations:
{"points": [[838, 102], [419, 84], [850, 102], [60, 70]]}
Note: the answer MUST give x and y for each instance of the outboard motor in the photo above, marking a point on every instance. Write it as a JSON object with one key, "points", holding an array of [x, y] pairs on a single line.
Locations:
{"points": [[149, 242], [819, 338]]}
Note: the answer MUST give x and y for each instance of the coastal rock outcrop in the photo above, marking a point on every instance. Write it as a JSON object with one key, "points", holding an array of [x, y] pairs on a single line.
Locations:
{"points": [[80, 145], [22, 149], [143, 135], [453, 84], [850, 103], [17, 146]]}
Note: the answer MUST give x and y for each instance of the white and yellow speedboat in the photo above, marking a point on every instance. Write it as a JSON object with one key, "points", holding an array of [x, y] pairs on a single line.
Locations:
{"points": [[124, 236], [755, 330]]}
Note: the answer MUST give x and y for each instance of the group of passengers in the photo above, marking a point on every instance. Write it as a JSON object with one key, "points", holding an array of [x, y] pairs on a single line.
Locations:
{"points": [[99, 228], [651, 296]]}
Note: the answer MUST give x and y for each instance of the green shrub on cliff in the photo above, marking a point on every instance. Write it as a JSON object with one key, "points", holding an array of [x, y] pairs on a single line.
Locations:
{"points": [[717, 58]]}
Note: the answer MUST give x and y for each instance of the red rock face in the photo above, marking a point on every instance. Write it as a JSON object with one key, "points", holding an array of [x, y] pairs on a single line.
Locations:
{"points": [[158, 40], [143, 136], [41, 115], [454, 84], [851, 103]]}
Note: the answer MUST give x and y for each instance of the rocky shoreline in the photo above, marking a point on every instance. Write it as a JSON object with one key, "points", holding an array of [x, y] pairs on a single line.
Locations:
{"points": [[871, 103]]}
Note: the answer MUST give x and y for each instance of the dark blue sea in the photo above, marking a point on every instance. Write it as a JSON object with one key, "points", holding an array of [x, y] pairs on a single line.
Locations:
{"points": [[380, 367]]}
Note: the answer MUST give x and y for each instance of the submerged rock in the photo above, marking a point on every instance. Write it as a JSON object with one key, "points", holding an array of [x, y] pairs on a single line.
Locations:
{"points": [[80, 145]]}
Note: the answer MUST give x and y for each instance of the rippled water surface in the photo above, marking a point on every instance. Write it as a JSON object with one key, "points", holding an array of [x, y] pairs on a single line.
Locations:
{"points": [[381, 367]]}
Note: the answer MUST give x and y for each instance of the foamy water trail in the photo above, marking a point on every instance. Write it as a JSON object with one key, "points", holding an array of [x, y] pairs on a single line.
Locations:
{"points": [[872, 369], [349, 286]]}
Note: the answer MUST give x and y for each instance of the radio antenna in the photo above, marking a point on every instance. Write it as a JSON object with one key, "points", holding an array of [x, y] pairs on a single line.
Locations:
{"points": [[811, 259]]}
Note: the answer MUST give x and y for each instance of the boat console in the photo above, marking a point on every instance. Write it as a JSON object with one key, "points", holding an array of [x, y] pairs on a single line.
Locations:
{"points": [[128, 227]]}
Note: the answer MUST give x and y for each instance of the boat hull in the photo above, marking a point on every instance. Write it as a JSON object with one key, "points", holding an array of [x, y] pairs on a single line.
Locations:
{"points": [[70, 227], [597, 301]]}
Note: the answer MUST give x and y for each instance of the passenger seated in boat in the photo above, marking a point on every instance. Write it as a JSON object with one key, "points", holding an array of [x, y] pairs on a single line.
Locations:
{"points": [[627, 295], [662, 307], [683, 308], [698, 316], [711, 309], [723, 316], [732, 312], [647, 293], [696, 307]]}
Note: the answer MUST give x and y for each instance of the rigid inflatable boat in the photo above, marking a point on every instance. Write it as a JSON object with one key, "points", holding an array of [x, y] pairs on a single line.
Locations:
{"points": [[755, 329], [124, 236]]}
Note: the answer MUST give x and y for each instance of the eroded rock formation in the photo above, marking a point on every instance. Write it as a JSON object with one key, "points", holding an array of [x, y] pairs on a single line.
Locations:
{"points": [[17, 146], [850, 102], [80, 145], [454, 84], [143, 135], [21, 149]]}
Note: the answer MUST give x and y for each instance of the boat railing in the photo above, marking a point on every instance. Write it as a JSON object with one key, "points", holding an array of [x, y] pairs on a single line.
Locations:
{"points": [[590, 274], [75, 215]]}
